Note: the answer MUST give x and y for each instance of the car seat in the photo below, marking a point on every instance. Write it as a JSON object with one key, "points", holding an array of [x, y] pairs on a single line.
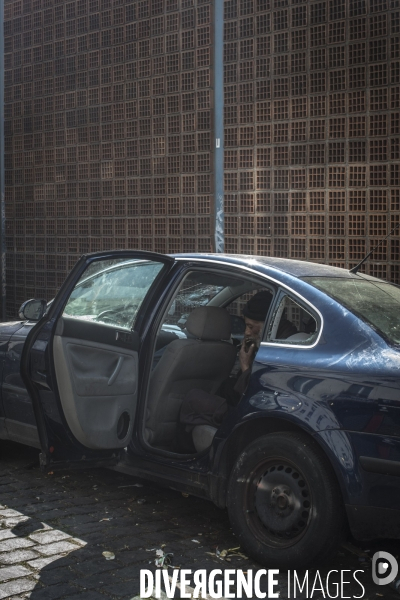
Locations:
{"points": [[201, 362]]}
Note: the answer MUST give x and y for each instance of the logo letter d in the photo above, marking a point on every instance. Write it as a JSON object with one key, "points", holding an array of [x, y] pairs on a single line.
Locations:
{"points": [[380, 568]]}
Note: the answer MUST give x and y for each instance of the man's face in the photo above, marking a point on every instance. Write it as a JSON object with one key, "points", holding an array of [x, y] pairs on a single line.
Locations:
{"points": [[253, 330]]}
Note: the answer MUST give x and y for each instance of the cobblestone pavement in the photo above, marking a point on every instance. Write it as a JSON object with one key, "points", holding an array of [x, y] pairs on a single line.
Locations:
{"points": [[54, 529]]}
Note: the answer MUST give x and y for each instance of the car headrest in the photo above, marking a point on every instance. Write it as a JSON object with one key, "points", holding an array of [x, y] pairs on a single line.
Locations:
{"points": [[209, 323]]}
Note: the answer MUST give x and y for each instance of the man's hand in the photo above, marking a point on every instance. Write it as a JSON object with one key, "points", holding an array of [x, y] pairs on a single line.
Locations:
{"points": [[246, 355]]}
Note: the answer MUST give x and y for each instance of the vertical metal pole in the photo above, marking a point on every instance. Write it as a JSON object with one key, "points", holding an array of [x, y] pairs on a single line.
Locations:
{"points": [[219, 124], [2, 182]]}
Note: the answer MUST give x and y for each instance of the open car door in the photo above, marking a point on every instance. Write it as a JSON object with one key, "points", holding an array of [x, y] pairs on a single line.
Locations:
{"points": [[80, 363]]}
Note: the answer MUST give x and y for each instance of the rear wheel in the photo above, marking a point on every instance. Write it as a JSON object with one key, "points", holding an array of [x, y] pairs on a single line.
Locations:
{"points": [[284, 503]]}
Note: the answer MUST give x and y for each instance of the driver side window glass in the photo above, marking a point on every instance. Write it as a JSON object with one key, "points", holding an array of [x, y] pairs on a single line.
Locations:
{"points": [[112, 291], [292, 324]]}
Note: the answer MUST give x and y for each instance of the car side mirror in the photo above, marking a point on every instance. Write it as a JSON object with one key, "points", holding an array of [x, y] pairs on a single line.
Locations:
{"points": [[32, 310]]}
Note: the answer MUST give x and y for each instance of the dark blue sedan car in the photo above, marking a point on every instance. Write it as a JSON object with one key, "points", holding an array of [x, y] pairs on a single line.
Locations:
{"points": [[310, 451]]}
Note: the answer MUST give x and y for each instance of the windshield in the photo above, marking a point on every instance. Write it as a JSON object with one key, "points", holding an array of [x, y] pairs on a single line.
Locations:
{"points": [[374, 301]]}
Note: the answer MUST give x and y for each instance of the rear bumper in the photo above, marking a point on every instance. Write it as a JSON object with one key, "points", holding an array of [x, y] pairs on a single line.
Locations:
{"points": [[368, 471], [380, 465], [371, 522], [381, 519]]}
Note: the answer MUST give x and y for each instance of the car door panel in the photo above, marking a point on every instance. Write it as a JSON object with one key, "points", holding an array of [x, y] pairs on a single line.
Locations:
{"points": [[98, 390], [81, 363], [99, 370]]}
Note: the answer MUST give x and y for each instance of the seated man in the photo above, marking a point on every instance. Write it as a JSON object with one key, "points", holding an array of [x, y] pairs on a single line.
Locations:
{"points": [[201, 408]]}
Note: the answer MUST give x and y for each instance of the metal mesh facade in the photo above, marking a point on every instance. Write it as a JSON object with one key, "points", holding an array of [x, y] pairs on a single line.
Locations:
{"points": [[312, 98], [108, 133]]}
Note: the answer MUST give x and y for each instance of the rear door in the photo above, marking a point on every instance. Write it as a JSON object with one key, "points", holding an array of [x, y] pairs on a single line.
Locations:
{"points": [[81, 361]]}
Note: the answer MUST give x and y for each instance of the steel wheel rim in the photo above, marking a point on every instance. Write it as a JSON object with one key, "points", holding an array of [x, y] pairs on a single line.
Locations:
{"points": [[278, 503]]}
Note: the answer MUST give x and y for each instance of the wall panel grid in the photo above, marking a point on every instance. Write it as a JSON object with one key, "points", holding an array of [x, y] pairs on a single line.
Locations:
{"points": [[108, 133], [312, 130]]}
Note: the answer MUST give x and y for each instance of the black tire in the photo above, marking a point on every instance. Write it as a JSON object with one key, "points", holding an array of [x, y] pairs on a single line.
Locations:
{"points": [[284, 502]]}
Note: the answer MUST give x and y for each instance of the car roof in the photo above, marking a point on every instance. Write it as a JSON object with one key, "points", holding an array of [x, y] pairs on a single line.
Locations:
{"points": [[295, 268]]}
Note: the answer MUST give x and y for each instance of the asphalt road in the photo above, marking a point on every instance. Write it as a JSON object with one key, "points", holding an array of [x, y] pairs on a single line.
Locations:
{"points": [[55, 527]]}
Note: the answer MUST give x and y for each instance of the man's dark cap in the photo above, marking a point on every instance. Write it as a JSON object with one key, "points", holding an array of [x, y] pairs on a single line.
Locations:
{"points": [[257, 307]]}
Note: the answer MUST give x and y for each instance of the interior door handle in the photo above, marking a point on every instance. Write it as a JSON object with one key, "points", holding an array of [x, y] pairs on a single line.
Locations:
{"points": [[116, 371]]}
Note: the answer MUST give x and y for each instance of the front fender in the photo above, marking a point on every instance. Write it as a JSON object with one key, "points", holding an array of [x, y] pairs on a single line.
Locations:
{"points": [[7, 330]]}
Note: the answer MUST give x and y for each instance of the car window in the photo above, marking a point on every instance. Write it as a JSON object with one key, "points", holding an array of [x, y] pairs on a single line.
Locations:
{"points": [[376, 302], [236, 307], [111, 292], [292, 323]]}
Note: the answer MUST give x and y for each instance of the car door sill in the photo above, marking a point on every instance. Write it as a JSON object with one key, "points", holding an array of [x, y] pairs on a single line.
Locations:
{"points": [[175, 478]]}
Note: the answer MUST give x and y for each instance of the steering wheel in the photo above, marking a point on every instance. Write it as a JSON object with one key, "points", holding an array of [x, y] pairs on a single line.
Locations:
{"points": [[105, 317], [121, 316]]}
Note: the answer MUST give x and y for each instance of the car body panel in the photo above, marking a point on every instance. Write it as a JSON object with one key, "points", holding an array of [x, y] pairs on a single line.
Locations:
{"points": [[17, 402], [285, 266], [17, 420]]}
